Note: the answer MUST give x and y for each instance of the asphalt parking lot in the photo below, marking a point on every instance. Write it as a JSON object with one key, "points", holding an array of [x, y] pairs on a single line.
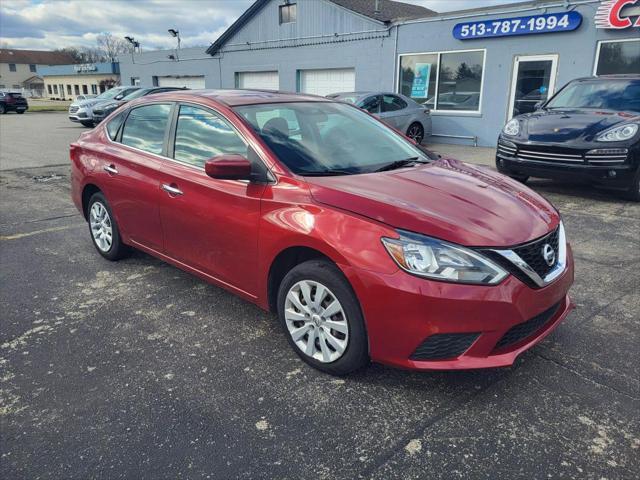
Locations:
{"points": [[138, 370]]}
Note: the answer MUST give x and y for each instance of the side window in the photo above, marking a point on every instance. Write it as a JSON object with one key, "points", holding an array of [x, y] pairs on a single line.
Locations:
{"points": [[145, 127], [114, 125], [391, 103], [371, 104], [201, 134]]}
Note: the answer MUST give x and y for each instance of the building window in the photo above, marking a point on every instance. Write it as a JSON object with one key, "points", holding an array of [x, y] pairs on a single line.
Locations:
{"points": [[32, 68], [85, 90], [618, 56], [94, 89], [12, 67], [15, 85], [69, 92], [49, 90], [76, 89], [135, 81], [444, 81], [288, 13]]}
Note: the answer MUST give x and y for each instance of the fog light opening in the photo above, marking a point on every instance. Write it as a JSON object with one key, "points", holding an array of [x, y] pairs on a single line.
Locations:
{"points": [[612, 173]]}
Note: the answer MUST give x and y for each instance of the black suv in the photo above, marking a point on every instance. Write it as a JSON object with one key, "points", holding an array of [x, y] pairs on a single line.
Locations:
{"points": [[589, 130], [103, 111], [13, 102]]}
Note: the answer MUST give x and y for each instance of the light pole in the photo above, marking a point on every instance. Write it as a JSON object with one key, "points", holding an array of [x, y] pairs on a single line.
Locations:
{"points": [[175, 34], [134, 43]]}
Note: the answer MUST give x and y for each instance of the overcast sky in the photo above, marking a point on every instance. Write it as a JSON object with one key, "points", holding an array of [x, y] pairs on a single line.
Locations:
{"points": [[50, 24]]}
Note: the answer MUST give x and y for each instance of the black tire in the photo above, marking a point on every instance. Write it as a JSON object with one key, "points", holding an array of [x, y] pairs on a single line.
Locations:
{"points": [[633, 193], [3, 110], [20, 112], [356, 353], [87, 124], [416, 132], [117, 250]]}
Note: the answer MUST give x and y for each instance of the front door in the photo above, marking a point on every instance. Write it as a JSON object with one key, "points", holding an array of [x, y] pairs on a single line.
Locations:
{"points": [[533, 81], [209, 224]]}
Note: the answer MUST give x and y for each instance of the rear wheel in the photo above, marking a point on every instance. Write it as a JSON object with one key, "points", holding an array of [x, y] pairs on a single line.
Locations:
{"points": [[416, 132], [104, 229], [321, 317]]}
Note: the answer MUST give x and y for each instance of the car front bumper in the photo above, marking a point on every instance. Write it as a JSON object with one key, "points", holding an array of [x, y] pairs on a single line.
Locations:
{"points": [[420, 324]]}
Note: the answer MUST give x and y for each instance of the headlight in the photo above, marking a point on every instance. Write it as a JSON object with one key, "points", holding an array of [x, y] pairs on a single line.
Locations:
{"points": [[512, 127], [618, 134], [438, 260]]}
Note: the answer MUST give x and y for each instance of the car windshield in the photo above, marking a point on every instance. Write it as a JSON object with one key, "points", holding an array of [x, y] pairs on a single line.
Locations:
{"points": [[317, 138], [109, 94], [613, 94]]}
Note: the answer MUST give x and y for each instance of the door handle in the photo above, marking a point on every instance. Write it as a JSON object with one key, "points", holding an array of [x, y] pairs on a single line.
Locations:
{"points": [[111, 169], [175, 191]]}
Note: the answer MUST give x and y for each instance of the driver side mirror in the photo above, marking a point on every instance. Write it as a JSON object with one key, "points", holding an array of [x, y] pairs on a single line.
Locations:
{"points": [[120, 96], [538, 105], [228, 167]]}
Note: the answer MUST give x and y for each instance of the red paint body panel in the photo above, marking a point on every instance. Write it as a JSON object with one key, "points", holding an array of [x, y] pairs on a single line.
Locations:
{"points": [[229, 233]]}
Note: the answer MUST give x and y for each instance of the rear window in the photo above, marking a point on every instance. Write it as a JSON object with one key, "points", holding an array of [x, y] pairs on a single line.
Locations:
{"points": [[145, 128]]}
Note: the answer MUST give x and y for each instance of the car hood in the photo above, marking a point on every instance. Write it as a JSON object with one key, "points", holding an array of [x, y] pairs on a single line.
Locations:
{"points": [[572, 124], [447, 199]]}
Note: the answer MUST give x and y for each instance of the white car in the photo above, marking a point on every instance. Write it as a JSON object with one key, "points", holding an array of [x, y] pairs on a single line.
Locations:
{"points": [[82, 111]]}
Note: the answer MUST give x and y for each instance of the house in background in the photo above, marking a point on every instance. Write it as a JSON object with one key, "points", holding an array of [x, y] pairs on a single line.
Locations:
{"points": [[19, 69], [66, 82]]}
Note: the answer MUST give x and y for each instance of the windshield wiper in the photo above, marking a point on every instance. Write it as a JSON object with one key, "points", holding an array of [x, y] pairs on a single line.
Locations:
{"points": [[325, 173], [399, 164]]}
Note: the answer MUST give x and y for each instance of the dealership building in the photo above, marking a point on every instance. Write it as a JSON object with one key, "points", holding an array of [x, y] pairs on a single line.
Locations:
{"points": [[66, 82], [475, 69]]}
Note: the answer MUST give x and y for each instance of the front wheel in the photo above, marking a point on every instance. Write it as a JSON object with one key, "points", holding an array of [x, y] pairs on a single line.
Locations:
{"points": [[416, 132], [321, 317], [633, 193], [104, 229]]}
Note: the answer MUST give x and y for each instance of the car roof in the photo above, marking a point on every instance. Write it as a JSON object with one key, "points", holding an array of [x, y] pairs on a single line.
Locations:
{"points": [[618, 76], [234, 98]]}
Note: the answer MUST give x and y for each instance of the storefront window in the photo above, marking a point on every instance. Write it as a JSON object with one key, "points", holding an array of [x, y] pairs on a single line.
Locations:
{"points": [[618, 57], [447, 81]]}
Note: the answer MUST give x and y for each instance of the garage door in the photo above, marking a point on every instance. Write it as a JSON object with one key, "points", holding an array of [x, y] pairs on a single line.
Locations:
{"points": [[325, 82], [193, 82], [259, 80]]}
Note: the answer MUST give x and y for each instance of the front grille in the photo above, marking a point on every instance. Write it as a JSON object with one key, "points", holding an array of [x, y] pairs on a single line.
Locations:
{"points": [[531, 253], [539, 154], [603, 156], [444, 345], [73, 109], [526, 329]]}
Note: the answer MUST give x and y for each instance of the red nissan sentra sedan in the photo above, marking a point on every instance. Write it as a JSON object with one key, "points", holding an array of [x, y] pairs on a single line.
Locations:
{"points": [[365, 245]]}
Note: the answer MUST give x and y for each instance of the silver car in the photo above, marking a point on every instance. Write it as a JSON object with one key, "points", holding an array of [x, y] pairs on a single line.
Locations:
{"points": [[82, 111], [395, 110]]}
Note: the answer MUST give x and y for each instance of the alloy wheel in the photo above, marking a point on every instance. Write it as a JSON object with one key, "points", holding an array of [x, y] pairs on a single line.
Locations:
{"points": [[415, 132], [316, 321], [101, 228]]}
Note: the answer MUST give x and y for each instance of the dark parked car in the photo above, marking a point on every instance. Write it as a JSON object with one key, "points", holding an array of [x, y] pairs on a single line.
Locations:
{"points": [[104, 110], [13, 102], [588, 131]]}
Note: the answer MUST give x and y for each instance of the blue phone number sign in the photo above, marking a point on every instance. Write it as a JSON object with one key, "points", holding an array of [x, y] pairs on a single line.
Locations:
{"points": [[504, 27]]}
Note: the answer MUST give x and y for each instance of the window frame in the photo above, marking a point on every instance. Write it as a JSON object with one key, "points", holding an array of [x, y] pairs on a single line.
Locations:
{"points": [[13, 67], [287, 6], [33, 68], [435, 111], [599, 48]]}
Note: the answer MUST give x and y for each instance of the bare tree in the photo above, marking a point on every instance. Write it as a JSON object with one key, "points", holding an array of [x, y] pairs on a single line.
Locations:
{"points": [[111, 46]]}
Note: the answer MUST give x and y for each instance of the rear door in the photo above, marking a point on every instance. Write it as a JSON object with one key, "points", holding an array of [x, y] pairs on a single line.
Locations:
{"points": [[130, 166], [209, 224]]}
